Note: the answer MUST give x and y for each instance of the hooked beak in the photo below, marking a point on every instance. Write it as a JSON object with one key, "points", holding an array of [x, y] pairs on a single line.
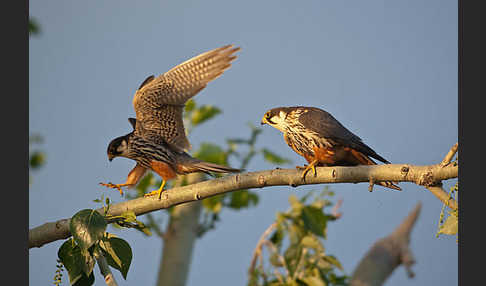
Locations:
{"points": [[264, 121]]}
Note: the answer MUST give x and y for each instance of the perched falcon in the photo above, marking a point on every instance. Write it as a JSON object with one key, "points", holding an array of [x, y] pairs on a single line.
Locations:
{"points": [[158, 141], [317, 136]]}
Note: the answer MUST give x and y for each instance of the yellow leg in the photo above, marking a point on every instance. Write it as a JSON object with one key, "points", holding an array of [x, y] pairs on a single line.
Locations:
{"points": [[117, 186], [158, 192], [312, 166]]}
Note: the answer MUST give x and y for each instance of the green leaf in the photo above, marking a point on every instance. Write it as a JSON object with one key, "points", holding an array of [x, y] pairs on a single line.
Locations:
{"points": [[118, 254], [450, 226], [74, 262], [314, 220], [204, 113], [333, 260], [313, 281], [242, 199], [89, 261], [296, 232], [33, 27], [292, 257], [143, 228], [213, 204], [37, 159], [338, 280], [87, 227], [313, 242], [211, 153], [129, 216], [277, 237], [274, 260], [190, 105], [274, 158], [295, 203]]}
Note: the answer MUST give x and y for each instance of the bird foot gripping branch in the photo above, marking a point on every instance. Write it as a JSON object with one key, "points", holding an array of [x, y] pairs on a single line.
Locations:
{"points": [[158, 141], [322, 140], [157, 192], [307, 168]]}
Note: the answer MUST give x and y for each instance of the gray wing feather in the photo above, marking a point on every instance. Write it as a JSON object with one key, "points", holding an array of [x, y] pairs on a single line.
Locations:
{"points": [[163, 98], [165, 125]]}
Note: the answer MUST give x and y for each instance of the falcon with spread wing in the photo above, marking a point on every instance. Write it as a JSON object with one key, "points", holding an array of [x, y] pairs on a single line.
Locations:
{"points": [[158, 141], [317, 136]]}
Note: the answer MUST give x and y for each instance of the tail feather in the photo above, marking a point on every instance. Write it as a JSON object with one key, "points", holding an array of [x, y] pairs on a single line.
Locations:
{"points": [[206, 167], [365, 160]]}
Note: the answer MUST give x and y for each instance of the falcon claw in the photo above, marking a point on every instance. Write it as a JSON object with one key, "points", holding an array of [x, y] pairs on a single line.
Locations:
{"points": [[152, 193], [311, 166], [113, 186], [157, 192]]}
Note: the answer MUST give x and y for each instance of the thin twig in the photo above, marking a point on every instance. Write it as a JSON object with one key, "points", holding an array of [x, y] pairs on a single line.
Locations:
{"points": [[299, 264], [370, 187], [272, 248], [443, 196], [258, 249], [335, 209], [105, 269], [449, 156]]}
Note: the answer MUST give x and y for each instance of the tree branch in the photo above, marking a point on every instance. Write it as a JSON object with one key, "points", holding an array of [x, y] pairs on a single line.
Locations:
{"points": [[428, 175], [450, 155], [258, 249], [442, 195], [105, 270]]}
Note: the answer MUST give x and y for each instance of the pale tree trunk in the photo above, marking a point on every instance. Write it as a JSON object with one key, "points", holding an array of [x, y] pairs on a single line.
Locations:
{"points": [[178, 240], [387, 254]]}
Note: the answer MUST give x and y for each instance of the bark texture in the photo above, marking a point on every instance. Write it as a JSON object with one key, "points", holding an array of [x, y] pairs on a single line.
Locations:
{"points": [[429, 176]]}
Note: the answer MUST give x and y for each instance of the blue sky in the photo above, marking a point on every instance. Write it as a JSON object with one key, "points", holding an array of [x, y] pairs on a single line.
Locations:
{"points": [[387, 70]]}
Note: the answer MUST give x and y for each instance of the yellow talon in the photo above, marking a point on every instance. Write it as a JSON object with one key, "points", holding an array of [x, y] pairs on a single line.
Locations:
{"points": [[113, 186], [312, 166], [158, 192]]}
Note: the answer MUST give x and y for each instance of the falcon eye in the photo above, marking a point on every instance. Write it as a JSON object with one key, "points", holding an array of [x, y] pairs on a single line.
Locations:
{"points": [[269, 116]]}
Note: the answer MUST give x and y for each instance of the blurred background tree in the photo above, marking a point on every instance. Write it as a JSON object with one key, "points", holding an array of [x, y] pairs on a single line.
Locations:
{"points": [[37, 157]]}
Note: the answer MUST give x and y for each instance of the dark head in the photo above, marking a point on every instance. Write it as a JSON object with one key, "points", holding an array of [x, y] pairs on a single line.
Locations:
{"points": [[276, 117], [118, 147]]}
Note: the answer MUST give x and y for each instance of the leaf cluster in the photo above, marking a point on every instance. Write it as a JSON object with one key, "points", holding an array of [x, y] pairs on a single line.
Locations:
{"points": [[296, 253], [89, 243], [451, 224]]}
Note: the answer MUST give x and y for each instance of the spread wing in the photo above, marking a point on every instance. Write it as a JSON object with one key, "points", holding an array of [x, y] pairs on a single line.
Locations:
{"points": [[328, 127], [159, 102]]}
